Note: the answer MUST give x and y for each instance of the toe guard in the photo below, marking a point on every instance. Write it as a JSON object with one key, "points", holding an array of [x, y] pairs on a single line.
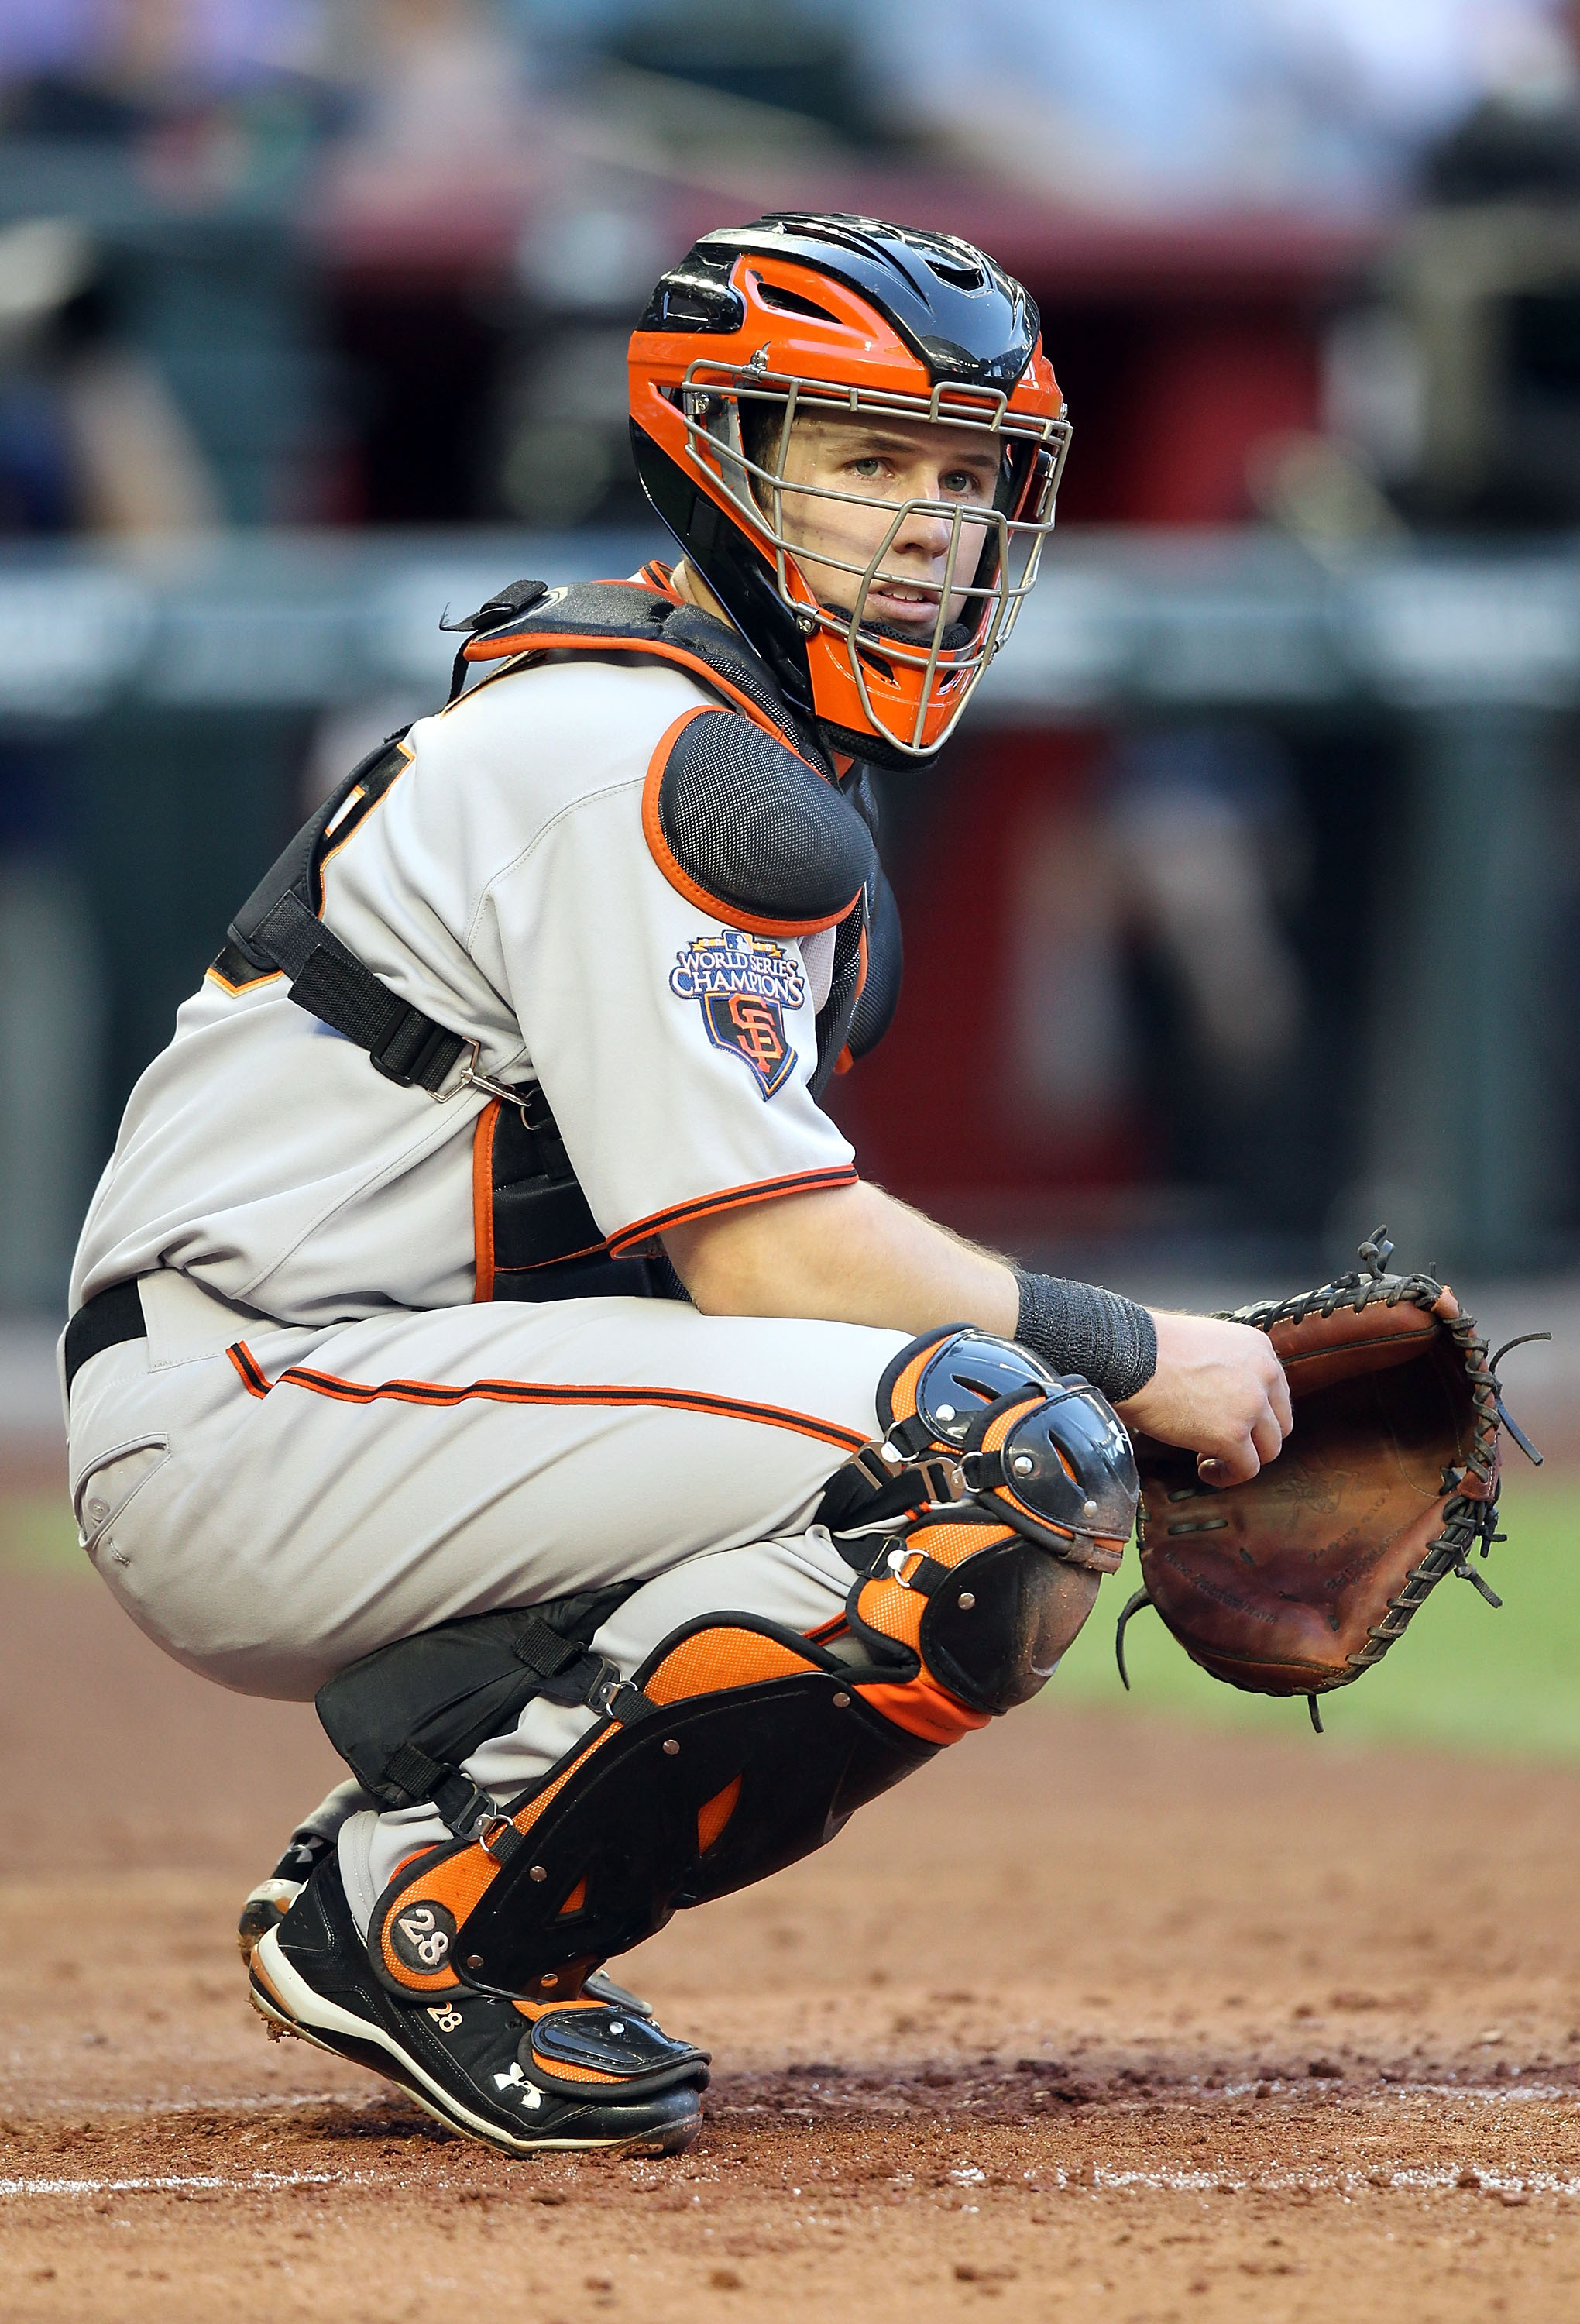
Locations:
{"points": [[569, 2049]]}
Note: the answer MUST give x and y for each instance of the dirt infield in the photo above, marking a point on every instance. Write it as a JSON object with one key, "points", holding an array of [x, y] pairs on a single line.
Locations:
{"points": [[1102, 2018]]}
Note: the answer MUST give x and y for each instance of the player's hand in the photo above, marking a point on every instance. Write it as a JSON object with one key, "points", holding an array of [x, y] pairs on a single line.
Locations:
{"points": [[1220, 1391]]}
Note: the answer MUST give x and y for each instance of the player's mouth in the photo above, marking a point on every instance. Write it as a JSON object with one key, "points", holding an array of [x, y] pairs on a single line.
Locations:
{"points": [[898, 601]]}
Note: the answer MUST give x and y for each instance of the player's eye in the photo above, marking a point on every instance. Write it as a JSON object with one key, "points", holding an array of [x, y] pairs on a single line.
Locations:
{"points": [[870, 465]]}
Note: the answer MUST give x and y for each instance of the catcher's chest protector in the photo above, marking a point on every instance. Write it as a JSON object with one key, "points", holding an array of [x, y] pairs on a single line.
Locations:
{"points": [[739, 1747], [744, 816], [1300, 1580]]}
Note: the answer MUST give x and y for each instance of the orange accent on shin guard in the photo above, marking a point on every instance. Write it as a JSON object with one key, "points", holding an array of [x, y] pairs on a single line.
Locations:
{"points": [[715, 1813], [713, 1660], [459, 1883], [924, 1707]]}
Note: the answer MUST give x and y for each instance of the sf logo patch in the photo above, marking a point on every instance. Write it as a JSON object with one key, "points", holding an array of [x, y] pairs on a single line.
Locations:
{"points": [[743, 985], [422, 1937]]}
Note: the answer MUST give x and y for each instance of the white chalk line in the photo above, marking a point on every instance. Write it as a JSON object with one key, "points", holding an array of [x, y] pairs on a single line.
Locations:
{"points": [[178, 2182], [135, 2109], [1379, 2177]]}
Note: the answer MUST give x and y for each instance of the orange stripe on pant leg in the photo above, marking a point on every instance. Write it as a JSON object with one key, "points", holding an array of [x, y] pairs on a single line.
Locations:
{"points": [[442, 1395]]}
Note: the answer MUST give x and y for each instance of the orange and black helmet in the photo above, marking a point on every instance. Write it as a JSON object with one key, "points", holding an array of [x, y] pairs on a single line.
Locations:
{"points": [[799, 316]]}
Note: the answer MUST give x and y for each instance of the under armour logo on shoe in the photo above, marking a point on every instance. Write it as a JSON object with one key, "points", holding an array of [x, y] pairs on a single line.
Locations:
{"points": [[531, 2096]]}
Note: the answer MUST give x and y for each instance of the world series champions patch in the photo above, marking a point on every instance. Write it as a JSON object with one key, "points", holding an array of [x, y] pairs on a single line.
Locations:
{"points": [[743, 985]]}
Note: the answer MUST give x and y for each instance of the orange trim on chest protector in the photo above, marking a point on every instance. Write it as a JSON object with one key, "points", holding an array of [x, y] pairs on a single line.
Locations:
{"points": [[733, 915]]}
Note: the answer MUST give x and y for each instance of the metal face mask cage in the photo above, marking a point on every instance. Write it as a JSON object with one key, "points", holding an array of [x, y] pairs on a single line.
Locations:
{"points": [[952, 658]]}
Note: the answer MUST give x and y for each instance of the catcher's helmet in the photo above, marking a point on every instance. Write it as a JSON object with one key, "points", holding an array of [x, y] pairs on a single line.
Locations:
{"points": [[802, 315]]}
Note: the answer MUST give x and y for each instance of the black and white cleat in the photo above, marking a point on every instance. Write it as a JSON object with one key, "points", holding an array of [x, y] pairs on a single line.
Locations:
{"points": [[522, 2076]]}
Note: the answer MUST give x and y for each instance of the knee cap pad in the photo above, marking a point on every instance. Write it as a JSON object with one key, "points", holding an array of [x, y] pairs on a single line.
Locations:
{"points": [[1014, 1491], [984, 1614], [1047, 1452]]}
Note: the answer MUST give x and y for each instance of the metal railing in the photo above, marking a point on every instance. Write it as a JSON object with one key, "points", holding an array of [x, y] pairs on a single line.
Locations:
{"points": [[185, 674]]}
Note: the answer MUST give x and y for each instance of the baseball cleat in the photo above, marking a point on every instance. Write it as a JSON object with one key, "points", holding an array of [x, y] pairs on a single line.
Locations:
{"points": [[269, 1902], [272, 1900], [518, 2075]]}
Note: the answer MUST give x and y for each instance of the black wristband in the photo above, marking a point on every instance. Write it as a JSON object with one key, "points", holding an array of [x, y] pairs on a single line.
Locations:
{"points": [[1078, 1328]]}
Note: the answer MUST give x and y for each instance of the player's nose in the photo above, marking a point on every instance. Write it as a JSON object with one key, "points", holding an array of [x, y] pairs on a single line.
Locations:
{"points": [[926, 533]]}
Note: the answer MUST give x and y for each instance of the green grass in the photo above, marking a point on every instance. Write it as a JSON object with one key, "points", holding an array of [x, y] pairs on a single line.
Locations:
{"points": [[38, 1536], [1461, 1675]]}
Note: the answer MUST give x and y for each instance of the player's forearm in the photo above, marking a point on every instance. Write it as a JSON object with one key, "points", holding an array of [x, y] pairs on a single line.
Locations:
{"points": [[849, 1255]]}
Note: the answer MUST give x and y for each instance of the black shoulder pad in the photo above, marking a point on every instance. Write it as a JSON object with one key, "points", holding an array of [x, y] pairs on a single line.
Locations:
{"points": [[742, 826], [879, 996]]}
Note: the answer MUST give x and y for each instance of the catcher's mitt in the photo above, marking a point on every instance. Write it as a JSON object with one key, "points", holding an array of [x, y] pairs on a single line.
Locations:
{"points": [[1300, 1580]]}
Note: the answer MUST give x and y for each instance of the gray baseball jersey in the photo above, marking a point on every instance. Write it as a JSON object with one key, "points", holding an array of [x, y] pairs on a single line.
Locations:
{"points": [[329, 1437], [503, 885]]}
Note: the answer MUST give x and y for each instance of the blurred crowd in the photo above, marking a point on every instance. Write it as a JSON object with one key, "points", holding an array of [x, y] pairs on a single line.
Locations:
{"points": [[353, 260], [1311, 264], [1136, 103]]}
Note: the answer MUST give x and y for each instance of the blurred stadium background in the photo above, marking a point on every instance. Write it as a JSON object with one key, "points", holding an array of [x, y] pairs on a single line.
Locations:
{"points": [[1245, 913]]}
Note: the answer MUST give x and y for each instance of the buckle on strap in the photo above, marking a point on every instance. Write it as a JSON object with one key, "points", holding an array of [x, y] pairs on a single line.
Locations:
{"points": [[498, 1837], [946, 1478], [469, 1079], [615, 1697], [463, 1805], [925, 1576]]}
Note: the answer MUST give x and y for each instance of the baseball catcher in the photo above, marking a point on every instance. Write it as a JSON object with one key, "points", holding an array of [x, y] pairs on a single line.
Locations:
{"points": [[1299, 1579], [483, 1328]]}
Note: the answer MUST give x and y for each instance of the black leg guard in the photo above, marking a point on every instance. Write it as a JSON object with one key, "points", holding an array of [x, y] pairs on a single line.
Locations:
{"points": [[978, 1529], [740, 1747]]}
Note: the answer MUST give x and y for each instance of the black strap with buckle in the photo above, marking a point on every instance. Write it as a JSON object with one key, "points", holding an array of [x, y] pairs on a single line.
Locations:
{"points": [[405, 1717], [403, 1042], [278, 932]]}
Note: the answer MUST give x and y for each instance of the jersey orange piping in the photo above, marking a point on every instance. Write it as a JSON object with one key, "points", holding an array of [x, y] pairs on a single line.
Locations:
{"points": [[246, 1364], [733, 1198], [442, 1395], [211, 975], [561, 1258], [681, 880]]}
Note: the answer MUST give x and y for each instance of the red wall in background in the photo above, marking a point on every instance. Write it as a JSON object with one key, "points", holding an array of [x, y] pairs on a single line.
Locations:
{"points": [[1004, 1071], [1170, 436]]}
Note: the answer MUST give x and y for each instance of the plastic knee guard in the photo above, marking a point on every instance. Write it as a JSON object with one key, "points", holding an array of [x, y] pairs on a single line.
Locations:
{"points": [[984, 1520], [736, 1748]]}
